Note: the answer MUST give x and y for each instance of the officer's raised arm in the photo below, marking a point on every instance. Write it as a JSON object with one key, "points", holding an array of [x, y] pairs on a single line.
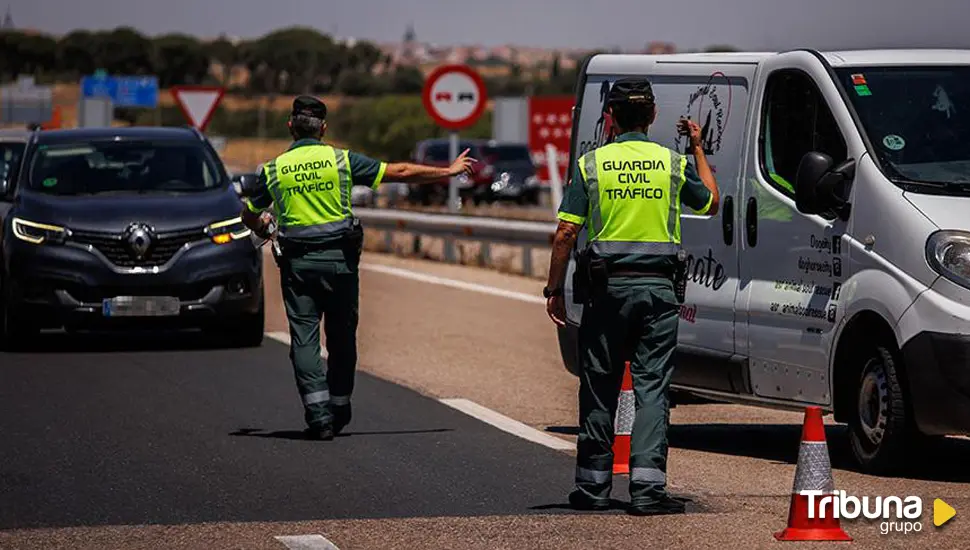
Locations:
{"points": [[700, 190], [407, 172]]}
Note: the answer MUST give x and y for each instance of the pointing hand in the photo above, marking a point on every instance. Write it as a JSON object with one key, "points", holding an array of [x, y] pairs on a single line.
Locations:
{"points": [[462, 165]]}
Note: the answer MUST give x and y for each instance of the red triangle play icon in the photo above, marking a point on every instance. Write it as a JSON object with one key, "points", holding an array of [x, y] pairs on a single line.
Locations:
{"points": [[198, 103]]}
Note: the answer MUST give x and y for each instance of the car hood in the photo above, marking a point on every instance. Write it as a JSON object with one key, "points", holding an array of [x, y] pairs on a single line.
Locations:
{"points": [[946, 212], [115, 212]]}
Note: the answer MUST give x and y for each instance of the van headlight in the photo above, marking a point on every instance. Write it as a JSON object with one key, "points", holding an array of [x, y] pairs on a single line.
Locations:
{"points": [[948, 253], [227, 231], [38, 233], [531, 181]]}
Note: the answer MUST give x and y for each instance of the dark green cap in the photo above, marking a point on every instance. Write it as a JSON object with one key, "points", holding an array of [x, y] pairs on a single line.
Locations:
{"points": [[309, 106], [631, 90]]}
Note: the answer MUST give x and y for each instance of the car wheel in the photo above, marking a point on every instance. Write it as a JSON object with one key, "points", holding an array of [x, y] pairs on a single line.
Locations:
{"points": [[880, 426]]}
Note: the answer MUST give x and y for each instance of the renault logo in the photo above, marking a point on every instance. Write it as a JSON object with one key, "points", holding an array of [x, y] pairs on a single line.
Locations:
{"points": [[139, 239]]}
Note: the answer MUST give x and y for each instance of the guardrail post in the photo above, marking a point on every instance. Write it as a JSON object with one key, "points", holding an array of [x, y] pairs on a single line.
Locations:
{"points": [[527, 261], [388, 241], [484, 254], [450, 255], [416, 244]]}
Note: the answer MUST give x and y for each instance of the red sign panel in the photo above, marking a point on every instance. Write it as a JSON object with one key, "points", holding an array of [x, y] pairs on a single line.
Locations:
{"points": [[550, 123]]}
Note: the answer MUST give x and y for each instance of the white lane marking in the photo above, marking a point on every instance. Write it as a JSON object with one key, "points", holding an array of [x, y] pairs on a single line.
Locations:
{"points": [[285, 339], [306, 542], [453, 283], [507, 424], [484, 414]]}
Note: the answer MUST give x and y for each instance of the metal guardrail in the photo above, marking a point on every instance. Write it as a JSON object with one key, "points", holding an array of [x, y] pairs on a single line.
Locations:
{"points": [[452, 228]]}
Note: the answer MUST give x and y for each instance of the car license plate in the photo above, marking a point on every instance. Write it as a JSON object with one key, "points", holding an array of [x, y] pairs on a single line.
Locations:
{"points": [[140, 306]]}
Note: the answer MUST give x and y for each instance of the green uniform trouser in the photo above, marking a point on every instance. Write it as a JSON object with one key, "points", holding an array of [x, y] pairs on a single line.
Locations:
{"points": [[634, 319], [322, 284]]}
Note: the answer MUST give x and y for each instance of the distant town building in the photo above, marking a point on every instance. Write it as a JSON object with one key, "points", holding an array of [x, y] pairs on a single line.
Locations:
{"points": [[7, 20]]}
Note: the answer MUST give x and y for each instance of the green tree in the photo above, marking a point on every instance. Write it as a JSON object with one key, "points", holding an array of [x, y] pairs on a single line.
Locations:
{"points": [[180, 59], [225, 53], [75, 54], [407, 80], [29, 54], [123, 51]]}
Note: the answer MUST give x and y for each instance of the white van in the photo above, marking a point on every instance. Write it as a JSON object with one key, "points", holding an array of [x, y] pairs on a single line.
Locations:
{"points": [[851, 292]]}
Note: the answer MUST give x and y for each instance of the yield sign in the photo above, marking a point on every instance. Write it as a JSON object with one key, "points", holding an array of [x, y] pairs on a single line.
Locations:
{"points": [[198, 103]]}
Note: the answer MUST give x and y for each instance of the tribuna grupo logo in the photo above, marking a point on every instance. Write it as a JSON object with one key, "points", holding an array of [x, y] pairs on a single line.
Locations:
{"points": [[898, 514]]}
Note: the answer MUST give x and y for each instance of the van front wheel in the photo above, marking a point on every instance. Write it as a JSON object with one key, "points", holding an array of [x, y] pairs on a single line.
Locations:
{"points": [[879, 424]]}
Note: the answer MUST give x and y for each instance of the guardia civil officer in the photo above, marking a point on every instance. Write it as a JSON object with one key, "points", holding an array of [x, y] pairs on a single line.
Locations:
{"points": [[320, 240], [629, 193]]}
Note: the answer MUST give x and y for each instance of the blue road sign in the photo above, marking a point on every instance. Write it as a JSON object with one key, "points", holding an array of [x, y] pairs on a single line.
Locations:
{"points": [[124, 91]]}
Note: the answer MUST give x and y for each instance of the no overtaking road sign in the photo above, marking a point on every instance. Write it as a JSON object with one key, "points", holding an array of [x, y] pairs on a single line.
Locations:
{"points": [[454, 96]]}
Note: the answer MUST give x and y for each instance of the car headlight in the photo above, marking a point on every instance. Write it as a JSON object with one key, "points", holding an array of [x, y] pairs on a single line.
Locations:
{"points": [[38, 233], [948, 253], [227, 231]]}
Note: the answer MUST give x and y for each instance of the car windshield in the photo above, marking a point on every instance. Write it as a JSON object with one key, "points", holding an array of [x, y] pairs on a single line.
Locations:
{"points": [[440, 152], [510, 153], [917, 119], [10, 154], [122, 166]]}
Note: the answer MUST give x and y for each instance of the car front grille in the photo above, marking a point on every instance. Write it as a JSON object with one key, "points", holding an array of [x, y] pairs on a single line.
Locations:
{"points": [[113, 246]]}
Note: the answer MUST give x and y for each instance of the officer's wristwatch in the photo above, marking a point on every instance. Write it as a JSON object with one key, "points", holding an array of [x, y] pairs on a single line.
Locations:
{"points": [[549, 293]]}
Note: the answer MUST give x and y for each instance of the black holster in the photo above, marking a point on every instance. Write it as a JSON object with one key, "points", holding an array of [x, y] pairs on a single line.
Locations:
{"points": [[680, 277], [591, 278], [353, 244]]}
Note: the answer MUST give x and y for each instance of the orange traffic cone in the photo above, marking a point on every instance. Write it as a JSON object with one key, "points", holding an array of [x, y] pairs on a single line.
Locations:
{"points": [[623, 424], [813, 473]]}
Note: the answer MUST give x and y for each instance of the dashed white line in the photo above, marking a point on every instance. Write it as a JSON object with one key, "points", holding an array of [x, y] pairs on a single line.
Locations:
{"points": [[507, 424], [306, 542], [453, 283]]}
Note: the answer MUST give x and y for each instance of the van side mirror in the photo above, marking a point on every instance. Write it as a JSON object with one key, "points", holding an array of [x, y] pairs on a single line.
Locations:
{"points": [[821, 188]]}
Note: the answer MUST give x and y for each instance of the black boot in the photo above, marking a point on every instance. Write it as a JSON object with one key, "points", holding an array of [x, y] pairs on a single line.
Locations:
{"points": [[341, 417], [664, 506], [581, 501], [320, 433]]}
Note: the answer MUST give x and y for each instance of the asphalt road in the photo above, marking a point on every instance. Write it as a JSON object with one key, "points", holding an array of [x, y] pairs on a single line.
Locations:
{"points": [[161, 442], [94, 437]]}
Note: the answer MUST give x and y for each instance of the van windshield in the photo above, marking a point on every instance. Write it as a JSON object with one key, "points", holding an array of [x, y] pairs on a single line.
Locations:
{"points": [[88, 168], [917, 119]]}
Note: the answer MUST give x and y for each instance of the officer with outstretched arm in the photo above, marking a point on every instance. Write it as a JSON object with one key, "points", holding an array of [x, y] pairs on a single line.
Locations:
{"points": [[320, 243], [628, 193]]}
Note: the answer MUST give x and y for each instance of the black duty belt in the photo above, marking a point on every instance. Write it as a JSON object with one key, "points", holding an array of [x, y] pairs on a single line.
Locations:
{"points": [[640, 273], [295, 248]]}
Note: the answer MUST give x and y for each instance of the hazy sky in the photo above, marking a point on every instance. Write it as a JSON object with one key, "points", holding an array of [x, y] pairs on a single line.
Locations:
{"points": [[748, 24]]}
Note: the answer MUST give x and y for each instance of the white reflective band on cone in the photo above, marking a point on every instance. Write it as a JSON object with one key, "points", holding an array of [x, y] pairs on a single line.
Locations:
{"points": [[626, 410], [316, 397], [813, 472]]}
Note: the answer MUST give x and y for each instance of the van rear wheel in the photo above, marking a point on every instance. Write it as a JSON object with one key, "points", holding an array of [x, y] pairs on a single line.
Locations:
{"points": [[879, 425]]}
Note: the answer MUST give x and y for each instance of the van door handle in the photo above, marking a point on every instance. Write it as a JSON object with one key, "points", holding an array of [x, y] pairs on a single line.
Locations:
{"points": [[727, 221], [751, 222]]}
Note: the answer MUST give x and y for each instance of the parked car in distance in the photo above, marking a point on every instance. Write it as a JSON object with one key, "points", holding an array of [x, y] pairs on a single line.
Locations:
{"points": [[514, 174], [117, 228], [436, 152]]}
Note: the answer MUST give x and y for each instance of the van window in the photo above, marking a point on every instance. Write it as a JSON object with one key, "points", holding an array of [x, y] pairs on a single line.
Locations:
{"points": [[795, 121], [917, 119]]}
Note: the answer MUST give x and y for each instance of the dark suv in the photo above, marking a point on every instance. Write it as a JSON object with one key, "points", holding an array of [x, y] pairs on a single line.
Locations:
{"points": [[126, 227]]}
